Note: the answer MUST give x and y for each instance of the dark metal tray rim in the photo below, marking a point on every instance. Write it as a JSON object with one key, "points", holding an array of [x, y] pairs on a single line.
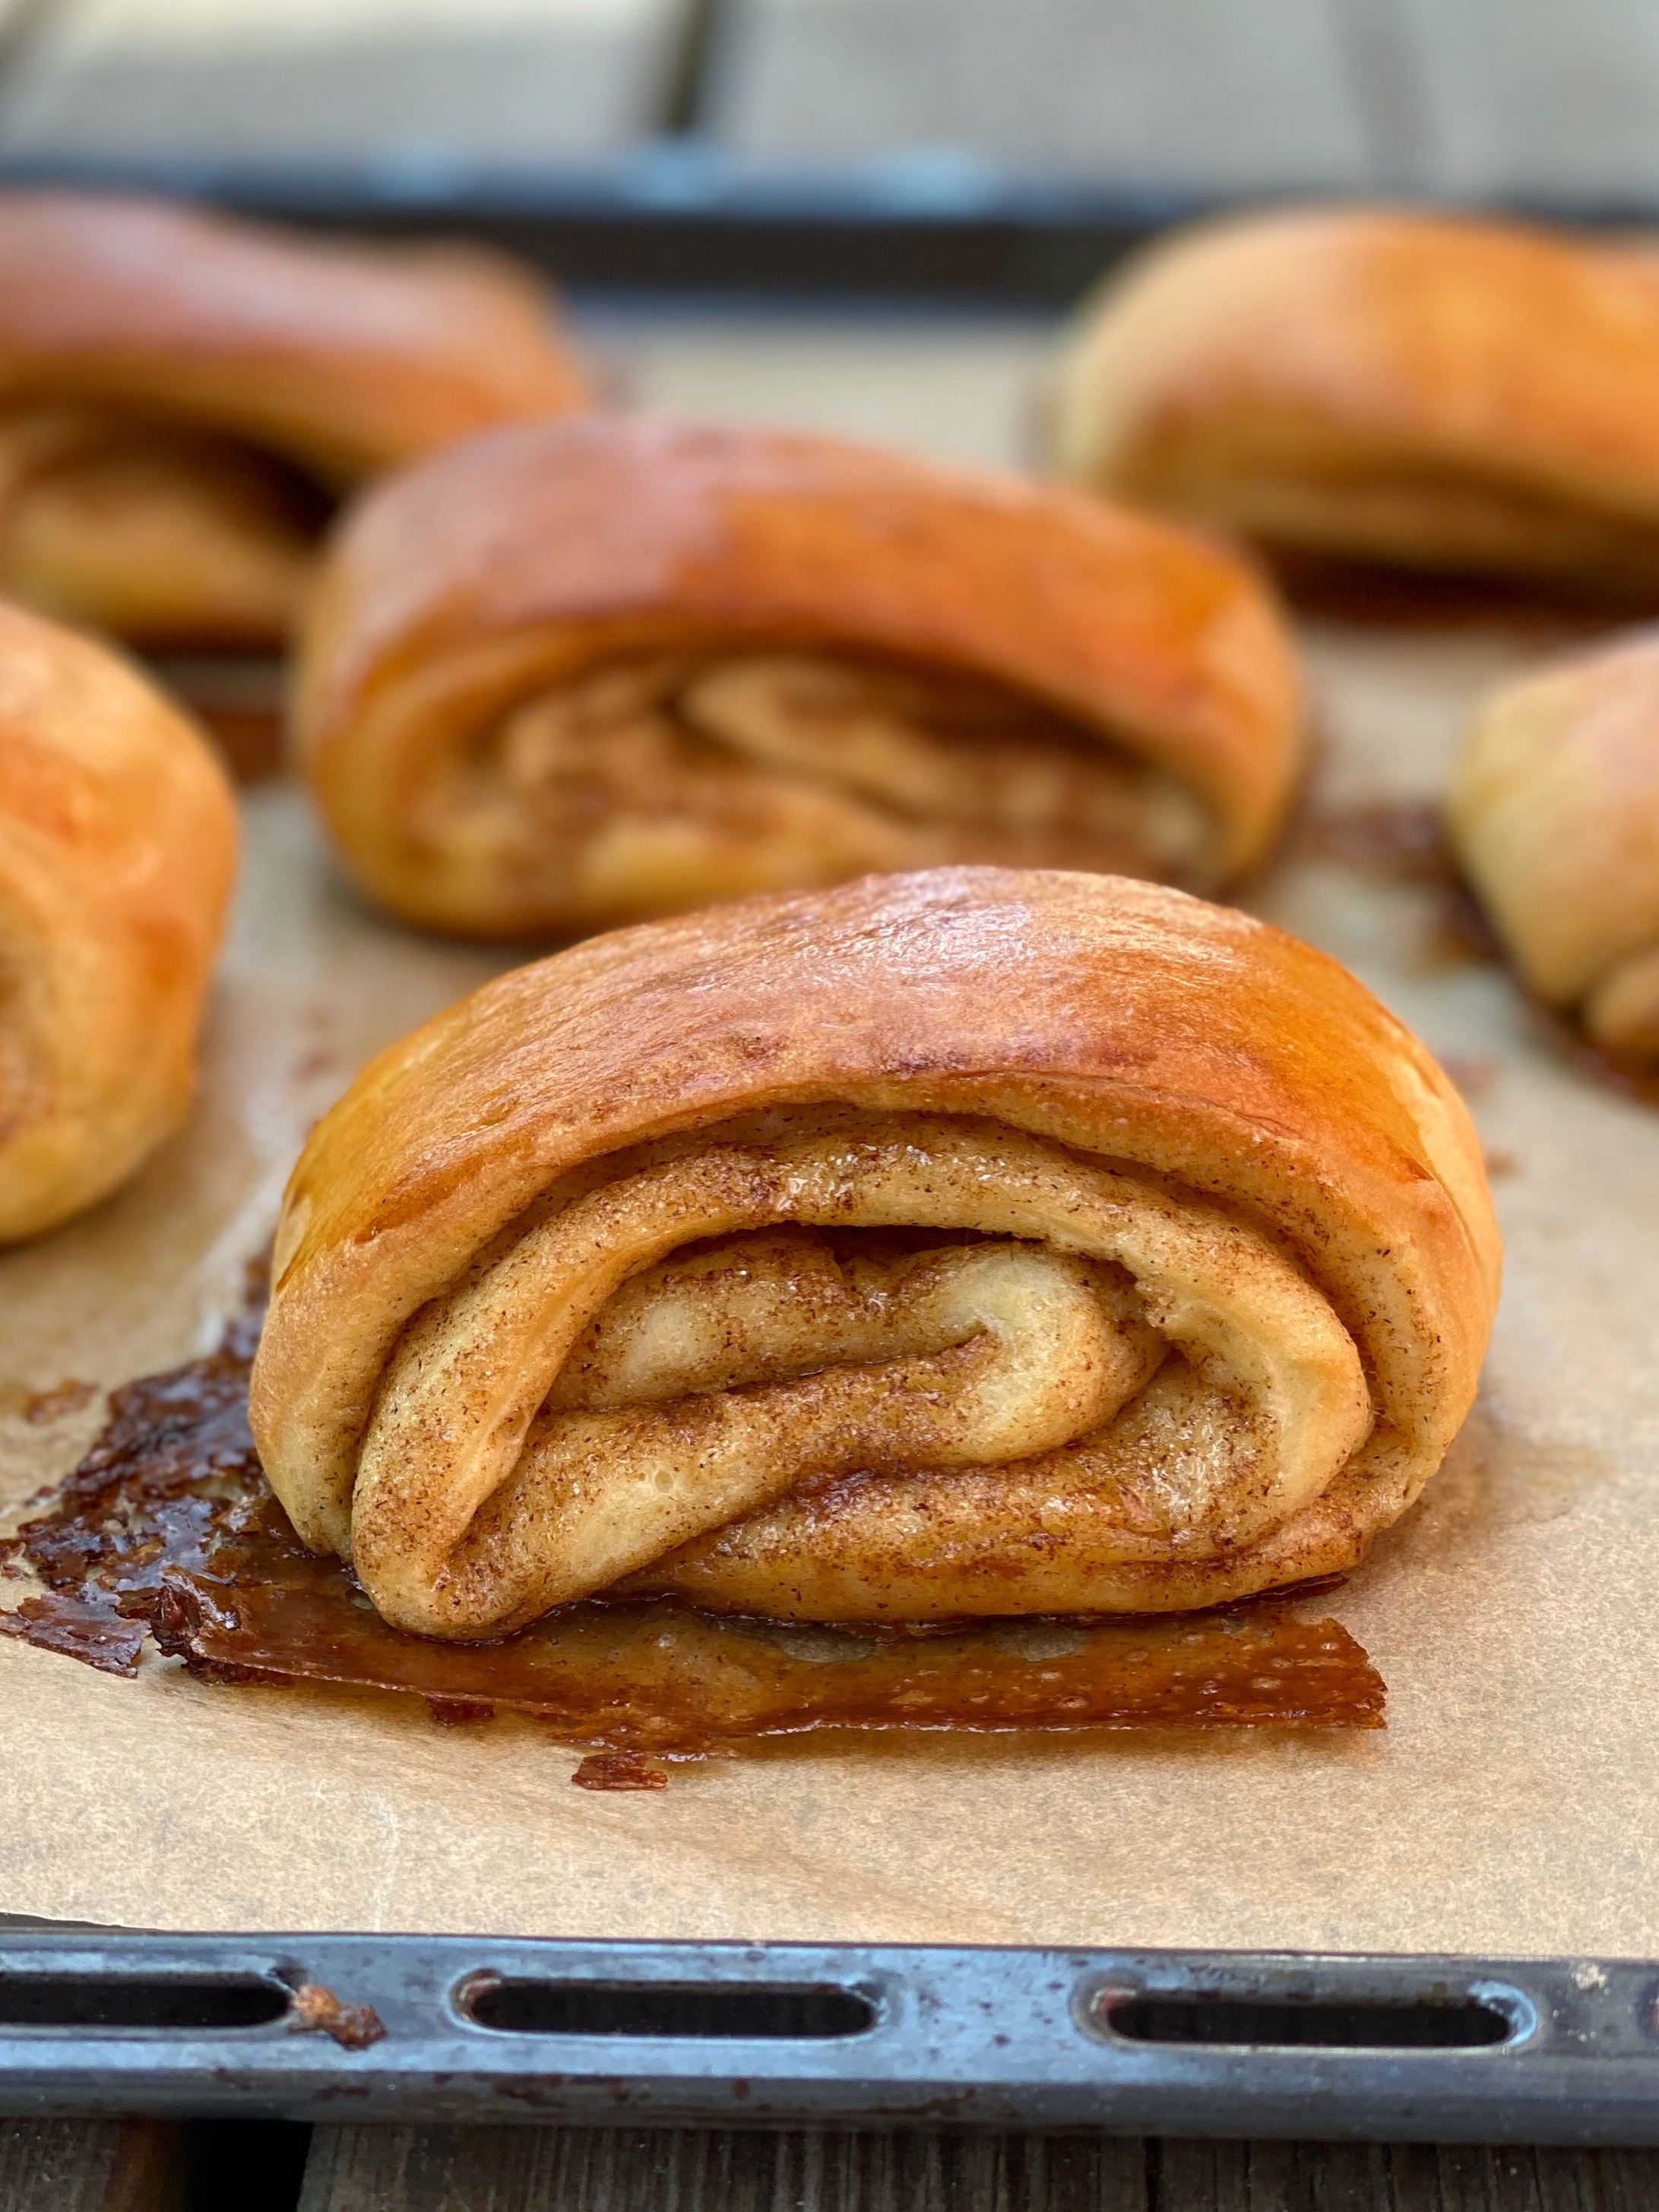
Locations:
{"points": [[969, 2035], [678, 214]]}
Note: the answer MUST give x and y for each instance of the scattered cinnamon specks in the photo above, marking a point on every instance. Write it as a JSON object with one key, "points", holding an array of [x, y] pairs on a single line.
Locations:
{"points": [[620, 1770], [459, 1712], [45, 1407]]}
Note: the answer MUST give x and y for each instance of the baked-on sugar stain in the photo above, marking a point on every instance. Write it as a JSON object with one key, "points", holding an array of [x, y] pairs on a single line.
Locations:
{"points": [[1368, 595], [1403, 841], [620, 1770], [1631, 1078], [167, 1529], [42, 1407]]}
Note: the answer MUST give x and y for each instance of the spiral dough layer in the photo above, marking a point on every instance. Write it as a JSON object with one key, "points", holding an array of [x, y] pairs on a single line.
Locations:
{"points": [[600, 671], [946, 1347], [1554, 809]]}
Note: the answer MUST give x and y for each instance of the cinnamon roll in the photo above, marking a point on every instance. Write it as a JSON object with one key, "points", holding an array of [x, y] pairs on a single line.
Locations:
{"points": [[1425, 392], [594, 671], [117, 845], [1554, 810], [185, 396], [977, 1242]]}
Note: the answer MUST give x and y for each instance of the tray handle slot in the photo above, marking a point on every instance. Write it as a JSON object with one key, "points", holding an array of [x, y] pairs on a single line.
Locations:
{"points": [[1436, 2023], [186, 2004], [758, 2011]]}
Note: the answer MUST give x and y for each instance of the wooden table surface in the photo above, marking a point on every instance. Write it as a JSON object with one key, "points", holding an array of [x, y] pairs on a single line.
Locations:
{"points": [[1482, 97], [145, 2167], [1527, 98]]}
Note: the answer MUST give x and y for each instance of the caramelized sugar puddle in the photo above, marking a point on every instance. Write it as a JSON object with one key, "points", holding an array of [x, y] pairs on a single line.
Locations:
{"points": [[167, 1529]]}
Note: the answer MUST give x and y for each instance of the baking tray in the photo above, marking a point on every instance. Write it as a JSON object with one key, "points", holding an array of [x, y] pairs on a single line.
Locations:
{"points": [[586, 2034], [678, 214], [1443, 1933]]}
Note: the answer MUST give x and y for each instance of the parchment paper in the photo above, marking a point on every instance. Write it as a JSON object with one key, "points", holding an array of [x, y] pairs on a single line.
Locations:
{"points": [[1513, 1804]]}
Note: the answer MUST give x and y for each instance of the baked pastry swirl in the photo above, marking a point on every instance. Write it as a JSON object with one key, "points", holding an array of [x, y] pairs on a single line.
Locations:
{"points": [[185, 396], [594, 671], [977, 1242], [1426, 392], [117, 845], [1554, 811]]}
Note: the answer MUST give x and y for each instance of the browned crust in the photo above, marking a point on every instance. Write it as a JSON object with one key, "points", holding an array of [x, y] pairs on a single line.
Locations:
{"points": [[1452, 357], [1130, 1021], [1554, 808], [349, 358], [118, 847], [546, 550]]}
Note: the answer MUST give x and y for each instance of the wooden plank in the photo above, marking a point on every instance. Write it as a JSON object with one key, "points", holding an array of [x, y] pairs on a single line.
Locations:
{"points": [[1595, 2180], [1534, 98], [689, 2170], [416, 83], [1205, 93], [1250, 2177], [20, 22], [1297, 2176], [1384, 65], [88, 2166]]}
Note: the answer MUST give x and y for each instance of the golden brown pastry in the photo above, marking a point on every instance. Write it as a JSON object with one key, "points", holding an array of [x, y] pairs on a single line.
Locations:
{"points": [[1554, 810], [117, 845], [594, 671], [183, 397], [1431, 392], [973, 1241]]}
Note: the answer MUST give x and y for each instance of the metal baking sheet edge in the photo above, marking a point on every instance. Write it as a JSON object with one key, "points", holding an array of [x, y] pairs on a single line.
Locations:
{"points": [[678, 214], [599, 2033]]}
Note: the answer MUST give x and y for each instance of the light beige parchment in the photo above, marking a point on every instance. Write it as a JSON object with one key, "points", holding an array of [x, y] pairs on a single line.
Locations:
{"points": [[1513, 1803]]}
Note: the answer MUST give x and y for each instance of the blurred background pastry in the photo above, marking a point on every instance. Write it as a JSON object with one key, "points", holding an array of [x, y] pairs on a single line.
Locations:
{"points": [[582, 673], [1422, 390], [1554, 810], [185, 396]]}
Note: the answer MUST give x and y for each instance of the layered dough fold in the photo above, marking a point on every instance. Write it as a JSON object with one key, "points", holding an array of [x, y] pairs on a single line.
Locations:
{"points": [[971, 1243], [1554, 810], [117, 846], [596, 671], [1425, 392], [183, 398]]}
